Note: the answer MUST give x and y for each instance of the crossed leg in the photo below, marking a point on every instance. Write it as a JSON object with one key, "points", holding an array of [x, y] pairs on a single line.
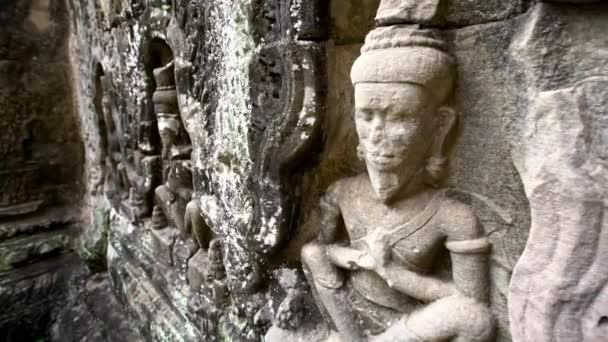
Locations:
{"points": [[454, 318], [328, 281]]}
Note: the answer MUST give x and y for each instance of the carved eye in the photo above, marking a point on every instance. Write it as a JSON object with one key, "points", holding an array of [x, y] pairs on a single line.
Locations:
{"points": [[396, 117], [365, 115]]}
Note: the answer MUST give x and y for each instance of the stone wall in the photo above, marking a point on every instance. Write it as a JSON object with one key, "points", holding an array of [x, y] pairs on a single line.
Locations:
{"points": [[40, 166], [212, 129]]}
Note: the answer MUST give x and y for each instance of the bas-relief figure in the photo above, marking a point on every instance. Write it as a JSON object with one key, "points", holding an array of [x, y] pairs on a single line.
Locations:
{"points": [[381, 282], [175, 199], [113, 154], [132, 171]]}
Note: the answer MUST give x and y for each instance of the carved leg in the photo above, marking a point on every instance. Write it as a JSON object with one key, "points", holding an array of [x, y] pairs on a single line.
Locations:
{"points": [[123, 180], [195, 225], [328, 280], [398, 332], [454, 318]]}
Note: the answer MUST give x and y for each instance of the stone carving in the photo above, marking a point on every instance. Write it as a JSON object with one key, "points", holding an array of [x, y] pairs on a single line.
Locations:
{"points": [[175, 141], [439, 13], [382, 282], [175, 198], [281, 136], [559, 284], [139, 174], [207, 280], [113, 157], [132, 167]]}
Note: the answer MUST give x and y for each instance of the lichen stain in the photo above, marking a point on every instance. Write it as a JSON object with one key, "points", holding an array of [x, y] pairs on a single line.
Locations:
{"points": [[230, 34]]}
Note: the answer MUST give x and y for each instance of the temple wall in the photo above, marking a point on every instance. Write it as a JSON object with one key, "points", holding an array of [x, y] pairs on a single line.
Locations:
{"points": [[41, 183], [194, 140]]}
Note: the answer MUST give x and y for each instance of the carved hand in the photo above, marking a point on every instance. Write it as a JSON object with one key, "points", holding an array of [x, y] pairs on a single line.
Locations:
{"points": [[378, 254]]}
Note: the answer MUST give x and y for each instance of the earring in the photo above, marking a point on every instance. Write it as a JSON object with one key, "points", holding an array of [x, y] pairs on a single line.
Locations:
{"points": [[360, 153], [434, 166]]}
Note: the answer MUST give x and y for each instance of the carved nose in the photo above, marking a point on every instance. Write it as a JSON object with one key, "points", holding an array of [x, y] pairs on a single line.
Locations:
{"points": [[377, 130]]}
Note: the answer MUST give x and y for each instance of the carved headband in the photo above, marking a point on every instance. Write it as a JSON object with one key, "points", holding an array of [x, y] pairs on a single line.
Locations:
{"points": [[402, 54]]}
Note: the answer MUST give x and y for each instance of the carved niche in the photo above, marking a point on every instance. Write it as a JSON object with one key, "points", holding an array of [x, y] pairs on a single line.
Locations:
{"points": [[175, 202], [381, 282]]}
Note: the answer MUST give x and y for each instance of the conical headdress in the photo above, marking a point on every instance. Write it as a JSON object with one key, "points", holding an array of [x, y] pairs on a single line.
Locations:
{"points": [[405, 54]]}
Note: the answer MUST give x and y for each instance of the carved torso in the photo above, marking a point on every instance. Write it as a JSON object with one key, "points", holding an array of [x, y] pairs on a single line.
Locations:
{"points": [[413, 228]]}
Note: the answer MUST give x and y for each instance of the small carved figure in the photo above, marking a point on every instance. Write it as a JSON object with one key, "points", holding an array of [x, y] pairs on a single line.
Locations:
{"points": [[175, 197], [159, 221], [195, 225], [382, 283], [139, 174], [113, 158], [175, 141]]}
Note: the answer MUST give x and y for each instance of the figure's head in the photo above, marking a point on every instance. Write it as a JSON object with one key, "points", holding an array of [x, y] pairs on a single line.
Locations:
{"points": [[168, 128], [403, 80]]}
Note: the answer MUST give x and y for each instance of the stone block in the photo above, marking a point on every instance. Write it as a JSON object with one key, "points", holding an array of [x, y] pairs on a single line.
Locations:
{"points": [[163, 244], [93, 242], [197, 270]]}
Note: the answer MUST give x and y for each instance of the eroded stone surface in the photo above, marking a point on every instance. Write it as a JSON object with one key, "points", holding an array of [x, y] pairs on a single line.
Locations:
{"points": [[557, 284], [556, 289], [205, 244], [380, 281]]}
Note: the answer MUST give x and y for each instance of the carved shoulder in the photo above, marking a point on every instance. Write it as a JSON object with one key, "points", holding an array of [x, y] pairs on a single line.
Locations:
{"points": [[338, 189], [458, 221], [330, 209]]}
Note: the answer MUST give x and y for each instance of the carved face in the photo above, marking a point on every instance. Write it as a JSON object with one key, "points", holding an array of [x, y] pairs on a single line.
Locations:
{"points": [[394, 123], [167, 136]]}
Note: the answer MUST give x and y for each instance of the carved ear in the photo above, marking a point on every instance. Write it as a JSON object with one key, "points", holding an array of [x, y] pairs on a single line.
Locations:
{"points": [[446, 117]]}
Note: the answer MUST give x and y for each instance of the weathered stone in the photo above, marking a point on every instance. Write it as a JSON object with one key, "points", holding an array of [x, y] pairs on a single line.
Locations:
{"points": [[43, 221], [352, 20], [91, 313], [19, 251], [197, 267], [94, 241], [145, 281], [557, 286], [448, 12], [214, 128], [164, 240], [390, 211], [29, 296], [557, 289], [40, 157]]}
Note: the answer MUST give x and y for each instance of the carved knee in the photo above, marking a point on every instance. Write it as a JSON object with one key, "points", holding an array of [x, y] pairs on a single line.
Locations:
{"points": [[455, 317], [323, 272]]}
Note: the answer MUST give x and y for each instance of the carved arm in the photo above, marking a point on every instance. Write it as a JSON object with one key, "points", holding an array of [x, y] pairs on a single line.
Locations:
{"points": [[329, 222], [421, 287], [470, 267]]}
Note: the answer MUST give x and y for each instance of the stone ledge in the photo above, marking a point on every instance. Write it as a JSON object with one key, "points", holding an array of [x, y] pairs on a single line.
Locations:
{"points": [[47, 219], [18, 251], [148, 301], [29, 291]]}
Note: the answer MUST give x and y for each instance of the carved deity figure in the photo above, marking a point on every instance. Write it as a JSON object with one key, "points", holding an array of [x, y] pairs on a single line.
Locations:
{"points": [[132, 172], [383, 282], [139, 173], [113, 157], [175, 197]]}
